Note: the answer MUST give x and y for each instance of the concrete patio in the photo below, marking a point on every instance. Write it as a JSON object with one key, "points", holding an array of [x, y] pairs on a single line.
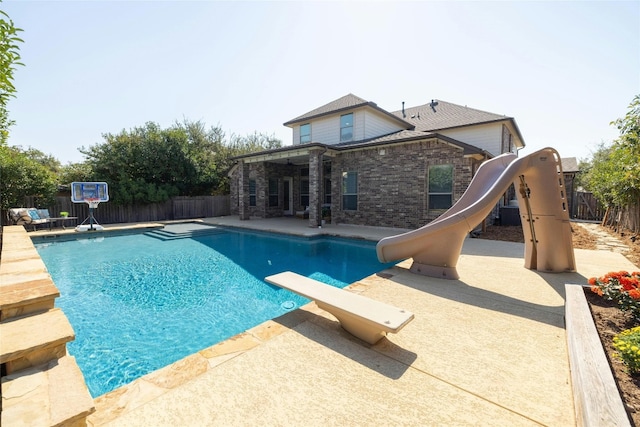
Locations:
{"points": [[487, 349]]}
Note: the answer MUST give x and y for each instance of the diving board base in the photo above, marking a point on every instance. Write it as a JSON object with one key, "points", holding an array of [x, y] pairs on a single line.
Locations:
{"points": [[354, 325]]}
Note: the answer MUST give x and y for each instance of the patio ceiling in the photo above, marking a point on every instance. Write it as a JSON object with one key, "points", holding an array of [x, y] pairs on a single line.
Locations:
{"points": [[291, 156]]}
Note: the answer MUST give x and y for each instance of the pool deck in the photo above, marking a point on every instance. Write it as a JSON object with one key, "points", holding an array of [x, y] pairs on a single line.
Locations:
{"points": [[487, 349]]}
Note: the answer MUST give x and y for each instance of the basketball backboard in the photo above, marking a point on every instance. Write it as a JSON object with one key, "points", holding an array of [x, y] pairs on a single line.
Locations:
{"points": [[82, 192]]}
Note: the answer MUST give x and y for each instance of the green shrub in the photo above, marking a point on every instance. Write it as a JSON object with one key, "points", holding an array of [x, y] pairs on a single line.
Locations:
{"points": [[627, 343]]}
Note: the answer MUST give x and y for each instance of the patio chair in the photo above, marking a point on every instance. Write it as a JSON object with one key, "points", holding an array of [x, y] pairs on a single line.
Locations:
{"points": [[303, 214], [27, 217]]}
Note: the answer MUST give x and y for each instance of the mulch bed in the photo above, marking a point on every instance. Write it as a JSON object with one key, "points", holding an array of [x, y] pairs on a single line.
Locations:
{"points": [[609, 321]]}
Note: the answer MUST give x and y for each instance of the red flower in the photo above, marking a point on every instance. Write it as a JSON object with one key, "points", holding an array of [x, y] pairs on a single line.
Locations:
{"points": [[627, 283], [635, 293]]}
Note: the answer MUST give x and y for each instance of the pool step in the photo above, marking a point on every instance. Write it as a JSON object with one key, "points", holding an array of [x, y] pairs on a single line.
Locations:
{"points": [[164, 234], [34, 339], [31, 296], [51, 394], [42, 385]]}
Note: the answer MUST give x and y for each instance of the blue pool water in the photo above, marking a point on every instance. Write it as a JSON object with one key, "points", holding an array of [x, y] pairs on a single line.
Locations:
{"points": [[138, 303]]}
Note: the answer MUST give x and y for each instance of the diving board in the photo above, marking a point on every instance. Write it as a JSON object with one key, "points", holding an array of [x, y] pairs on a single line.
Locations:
{"points": [[363, 317]]}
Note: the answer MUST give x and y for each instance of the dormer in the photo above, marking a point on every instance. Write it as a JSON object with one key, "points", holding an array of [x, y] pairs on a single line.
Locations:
{"points": [[346, 120]]}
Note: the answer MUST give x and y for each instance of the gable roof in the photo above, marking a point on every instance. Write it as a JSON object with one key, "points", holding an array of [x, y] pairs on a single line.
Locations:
{"points": [[347, 102]]}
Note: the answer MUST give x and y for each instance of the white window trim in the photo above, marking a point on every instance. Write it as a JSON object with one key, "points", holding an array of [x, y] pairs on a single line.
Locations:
{"points": [[344, 193], [302, 135], [347, 127]]}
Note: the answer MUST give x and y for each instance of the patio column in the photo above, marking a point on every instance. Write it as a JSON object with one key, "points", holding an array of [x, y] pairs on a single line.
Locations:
{"points": [[262, 189], [315, 181], [243, 190]]}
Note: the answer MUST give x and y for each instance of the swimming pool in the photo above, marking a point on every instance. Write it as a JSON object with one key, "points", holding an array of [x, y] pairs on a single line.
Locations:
{"points": [[139, 302]]}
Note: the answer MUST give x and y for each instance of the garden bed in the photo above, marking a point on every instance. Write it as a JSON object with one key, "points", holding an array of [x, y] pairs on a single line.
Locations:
{"points": [[609, 321]]}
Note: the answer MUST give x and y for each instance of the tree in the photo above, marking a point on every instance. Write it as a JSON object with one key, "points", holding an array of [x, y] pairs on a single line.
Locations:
{"points": [[239, 145], [149, 164], [24, 176], [9, 58], [629, 126], [614, 175], [75, 172], [46, 160]]}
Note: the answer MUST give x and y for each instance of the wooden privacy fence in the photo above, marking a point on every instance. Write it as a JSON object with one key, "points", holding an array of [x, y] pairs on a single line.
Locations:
{"points": [[174, 209], [587, 207], [623, 218]]}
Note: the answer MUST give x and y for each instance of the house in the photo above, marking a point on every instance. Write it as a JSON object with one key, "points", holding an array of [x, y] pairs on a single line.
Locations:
{"points": [[362, 164]]}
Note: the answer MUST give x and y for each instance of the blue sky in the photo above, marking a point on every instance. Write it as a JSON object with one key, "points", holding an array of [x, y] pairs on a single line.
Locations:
{"points": [[563, 70]]}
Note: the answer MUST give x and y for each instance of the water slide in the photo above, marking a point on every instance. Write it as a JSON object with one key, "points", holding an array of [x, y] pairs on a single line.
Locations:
{"points": [[435, 247]]}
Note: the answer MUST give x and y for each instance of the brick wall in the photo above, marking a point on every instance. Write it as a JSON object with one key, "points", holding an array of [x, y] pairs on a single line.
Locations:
{"points": [[392, 183], [261, 173]]}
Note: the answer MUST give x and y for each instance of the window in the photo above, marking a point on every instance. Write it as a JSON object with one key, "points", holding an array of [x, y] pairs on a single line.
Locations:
{"points": [[304, 192], [273, 192], [304, 187], [327, 191], [305, 133], [327, 182], [252, 192], [440, 186], [346, 127], [350, 191]]}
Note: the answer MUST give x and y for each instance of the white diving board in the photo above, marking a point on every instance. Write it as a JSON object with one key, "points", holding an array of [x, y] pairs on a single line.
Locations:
{"points": [[367, 319]]}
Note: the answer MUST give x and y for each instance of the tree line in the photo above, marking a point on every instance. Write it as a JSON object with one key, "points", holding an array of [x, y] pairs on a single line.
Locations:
{"points": [[613, 174], [146, 164]]}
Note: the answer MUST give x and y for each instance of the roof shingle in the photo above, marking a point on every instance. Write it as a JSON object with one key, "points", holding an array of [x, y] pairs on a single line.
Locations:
{"points": [[569, 164], [346, 102], [438, 115]]}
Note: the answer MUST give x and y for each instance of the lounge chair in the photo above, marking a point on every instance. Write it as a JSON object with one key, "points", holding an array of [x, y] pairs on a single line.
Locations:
{"points": [[27, 217]]}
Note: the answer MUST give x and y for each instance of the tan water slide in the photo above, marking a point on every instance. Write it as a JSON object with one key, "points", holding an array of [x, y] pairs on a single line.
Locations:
{"points": [[539, 182]]}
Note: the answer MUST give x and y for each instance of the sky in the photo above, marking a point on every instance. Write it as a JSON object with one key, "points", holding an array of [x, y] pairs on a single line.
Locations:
{"points": [[563, 69]]}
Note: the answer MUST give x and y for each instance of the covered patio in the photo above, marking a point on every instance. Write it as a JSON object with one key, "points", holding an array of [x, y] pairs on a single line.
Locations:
{"points": [[286, 182]]}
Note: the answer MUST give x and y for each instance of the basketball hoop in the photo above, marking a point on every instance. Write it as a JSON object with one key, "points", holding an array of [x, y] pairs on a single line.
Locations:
{"points": [[92, 202], [91, 193]]}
